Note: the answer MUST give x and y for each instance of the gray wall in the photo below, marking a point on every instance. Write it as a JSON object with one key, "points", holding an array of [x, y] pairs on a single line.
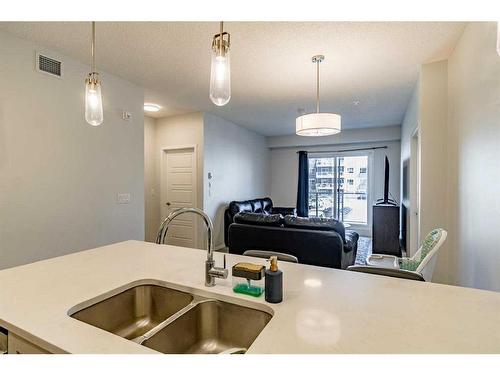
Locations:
{"points": [[151, 192], [238, 160], [284, 167], [59, 176], [284, 161], [181, 130]]}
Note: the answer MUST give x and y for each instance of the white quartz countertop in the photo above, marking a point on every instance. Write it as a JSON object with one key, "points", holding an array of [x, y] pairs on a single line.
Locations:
{"points": [[324, 310]]}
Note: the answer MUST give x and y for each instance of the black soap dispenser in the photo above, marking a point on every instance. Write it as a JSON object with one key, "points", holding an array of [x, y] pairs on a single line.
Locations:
{"points": [[274, 282]]}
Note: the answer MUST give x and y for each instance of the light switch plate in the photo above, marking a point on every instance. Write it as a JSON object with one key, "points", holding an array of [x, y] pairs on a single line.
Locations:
{"points": [[123, 198], [127, 116]]}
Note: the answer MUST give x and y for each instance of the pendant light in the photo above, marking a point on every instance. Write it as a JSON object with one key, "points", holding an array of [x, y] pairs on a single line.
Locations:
{"points": [[93, 98], [220, 74], [318, 124]]}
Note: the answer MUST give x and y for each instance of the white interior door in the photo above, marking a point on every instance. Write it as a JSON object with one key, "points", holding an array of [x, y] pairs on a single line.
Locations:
{"points": [[178, 189]]}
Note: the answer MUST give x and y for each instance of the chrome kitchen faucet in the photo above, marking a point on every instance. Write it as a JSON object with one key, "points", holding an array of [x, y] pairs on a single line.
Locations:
{"points": [[211, 271]]}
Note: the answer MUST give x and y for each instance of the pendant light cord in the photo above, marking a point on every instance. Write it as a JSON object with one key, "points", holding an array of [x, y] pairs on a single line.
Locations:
{"points": [[221, 40], [317, 86], [92, 49]]}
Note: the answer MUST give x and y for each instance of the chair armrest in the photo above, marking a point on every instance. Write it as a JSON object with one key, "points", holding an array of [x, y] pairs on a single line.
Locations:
{"points": [[284, 211], [382, 261], [401, 274], [379, 256]]}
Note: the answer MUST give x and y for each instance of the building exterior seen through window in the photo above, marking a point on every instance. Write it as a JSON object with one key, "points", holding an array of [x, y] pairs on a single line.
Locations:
{"points": [[338, 188]]}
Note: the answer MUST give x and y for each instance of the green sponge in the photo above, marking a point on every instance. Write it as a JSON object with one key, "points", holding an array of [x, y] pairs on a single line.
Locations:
{"points": [[251, 290]]}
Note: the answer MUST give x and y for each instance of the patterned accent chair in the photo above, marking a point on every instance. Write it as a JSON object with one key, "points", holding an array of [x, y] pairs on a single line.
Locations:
{"points": [[419, 267]]}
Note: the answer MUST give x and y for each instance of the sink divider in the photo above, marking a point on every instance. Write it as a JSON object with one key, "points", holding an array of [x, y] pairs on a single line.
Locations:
{"points": [[196, 301]]}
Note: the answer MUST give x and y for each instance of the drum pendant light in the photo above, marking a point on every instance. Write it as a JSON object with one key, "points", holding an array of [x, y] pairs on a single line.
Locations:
{"points": [[318, 124]]}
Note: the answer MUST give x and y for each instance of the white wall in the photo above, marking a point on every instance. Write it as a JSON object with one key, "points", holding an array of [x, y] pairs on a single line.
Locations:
{"points": [[458, 108], [433, 150], [474, 158], [238, 160], [59, 176], [284, 163], [427, 110], [410, 124], [182, 130], [151, 194]]}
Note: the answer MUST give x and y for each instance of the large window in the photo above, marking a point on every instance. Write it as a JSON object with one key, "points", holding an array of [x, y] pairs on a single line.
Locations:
{"points": [[333, 194]]}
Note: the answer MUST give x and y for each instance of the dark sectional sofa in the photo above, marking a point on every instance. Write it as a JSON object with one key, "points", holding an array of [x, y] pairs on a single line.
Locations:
{"points": [[258, 225]]}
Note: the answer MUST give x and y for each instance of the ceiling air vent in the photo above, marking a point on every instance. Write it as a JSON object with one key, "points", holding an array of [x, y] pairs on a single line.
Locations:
{"points": [[48, 65]]}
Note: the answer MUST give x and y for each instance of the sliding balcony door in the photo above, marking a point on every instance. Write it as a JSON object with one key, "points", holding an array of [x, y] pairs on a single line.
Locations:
{"points": [[339, 187]]}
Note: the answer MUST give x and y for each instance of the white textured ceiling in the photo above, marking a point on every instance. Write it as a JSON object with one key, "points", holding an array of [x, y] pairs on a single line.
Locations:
{"points": [[373, 63]]}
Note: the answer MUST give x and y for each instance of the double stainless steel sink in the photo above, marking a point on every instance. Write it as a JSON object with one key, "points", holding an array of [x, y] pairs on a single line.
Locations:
{"points": [[172, 321]]}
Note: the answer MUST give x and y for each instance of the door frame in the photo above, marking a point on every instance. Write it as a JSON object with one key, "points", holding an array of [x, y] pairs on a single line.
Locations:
{"points": [[414, 190], [163, 151]]}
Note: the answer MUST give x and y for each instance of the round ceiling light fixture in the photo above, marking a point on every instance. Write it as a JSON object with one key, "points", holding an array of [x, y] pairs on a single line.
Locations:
{"points": [[318, 124], [150, 107]]}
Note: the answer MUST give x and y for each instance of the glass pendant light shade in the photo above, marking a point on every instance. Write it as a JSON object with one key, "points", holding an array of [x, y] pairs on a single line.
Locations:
{"points": [[318, 124], [93, 100], [220, 73], [220, 79]]}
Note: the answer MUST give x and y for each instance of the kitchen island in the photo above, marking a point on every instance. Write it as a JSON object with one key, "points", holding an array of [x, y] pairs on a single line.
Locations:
{"points": [[323, 310]]}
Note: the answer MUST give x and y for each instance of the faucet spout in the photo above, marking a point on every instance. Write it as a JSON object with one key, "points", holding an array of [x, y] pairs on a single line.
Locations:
{"points": [[162, 232], [211, 272]]}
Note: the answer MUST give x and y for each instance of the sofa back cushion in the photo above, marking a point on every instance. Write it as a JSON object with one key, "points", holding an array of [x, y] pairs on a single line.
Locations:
{"points": [[236, 207], [314, 247], [252, 218], [267, 205], [257, 207], [261, 205], [315, 223]]}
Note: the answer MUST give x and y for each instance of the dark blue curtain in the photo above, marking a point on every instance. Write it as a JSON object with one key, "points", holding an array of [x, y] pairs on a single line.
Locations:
{"points": [[303, 186]]}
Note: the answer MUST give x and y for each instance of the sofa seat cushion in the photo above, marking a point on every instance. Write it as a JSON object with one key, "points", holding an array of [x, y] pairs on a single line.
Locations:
{"points": [[284, 211], [251, 218], [315, 223]]}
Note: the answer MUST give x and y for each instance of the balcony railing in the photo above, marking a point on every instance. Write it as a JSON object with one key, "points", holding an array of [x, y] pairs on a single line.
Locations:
{"points": [[349, 206]]}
